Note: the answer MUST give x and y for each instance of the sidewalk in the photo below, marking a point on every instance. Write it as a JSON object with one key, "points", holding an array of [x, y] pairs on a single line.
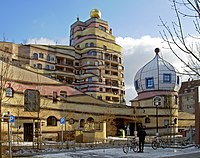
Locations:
{"points": [[118, 153]]}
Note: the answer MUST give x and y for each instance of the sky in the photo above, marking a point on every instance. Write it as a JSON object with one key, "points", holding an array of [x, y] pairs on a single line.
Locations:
{"points": [[135, 24]]}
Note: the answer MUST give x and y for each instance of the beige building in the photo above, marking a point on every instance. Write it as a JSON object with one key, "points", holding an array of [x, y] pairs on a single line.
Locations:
{"points": [[39, 103], [187, 96]]}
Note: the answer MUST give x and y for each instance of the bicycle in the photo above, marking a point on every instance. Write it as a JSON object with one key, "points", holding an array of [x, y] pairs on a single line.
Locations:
{"points": [[157, 143], [131, 144]]}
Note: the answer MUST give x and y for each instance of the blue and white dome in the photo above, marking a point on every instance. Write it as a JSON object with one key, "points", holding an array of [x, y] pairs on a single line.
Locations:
{"points": [[157, 75]]}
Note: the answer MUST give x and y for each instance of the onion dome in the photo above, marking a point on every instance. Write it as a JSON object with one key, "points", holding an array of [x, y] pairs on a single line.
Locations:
{"points": [[95, 13], [157, 75]]}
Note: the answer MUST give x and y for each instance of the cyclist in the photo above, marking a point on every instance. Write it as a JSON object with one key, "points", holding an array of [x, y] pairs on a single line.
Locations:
{"points": [[141, 134]]}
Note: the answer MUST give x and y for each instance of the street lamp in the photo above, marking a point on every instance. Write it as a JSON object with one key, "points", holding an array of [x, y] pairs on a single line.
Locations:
{"points": [[157, 102]]}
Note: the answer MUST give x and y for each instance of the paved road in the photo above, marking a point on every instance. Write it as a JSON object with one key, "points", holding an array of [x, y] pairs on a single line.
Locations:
{"points": [[118, 153], [191, 155]]}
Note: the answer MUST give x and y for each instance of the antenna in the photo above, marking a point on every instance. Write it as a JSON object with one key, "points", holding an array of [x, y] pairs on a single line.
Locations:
{"points": [[4, 38]]}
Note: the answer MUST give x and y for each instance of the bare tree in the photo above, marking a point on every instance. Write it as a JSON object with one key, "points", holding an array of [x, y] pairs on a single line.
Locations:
{"points": [[175, 37]]}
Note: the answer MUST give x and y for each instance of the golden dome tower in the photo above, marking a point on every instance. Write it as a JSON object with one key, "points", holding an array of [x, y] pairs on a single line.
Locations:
{"points": [[95, 13]]}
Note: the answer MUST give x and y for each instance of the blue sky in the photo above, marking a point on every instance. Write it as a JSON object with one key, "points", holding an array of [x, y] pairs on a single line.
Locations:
{"points": [[134, 23], [24, 19]]}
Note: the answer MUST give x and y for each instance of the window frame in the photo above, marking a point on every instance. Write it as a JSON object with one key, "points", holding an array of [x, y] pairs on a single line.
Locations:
{"points": [[149, 82], [52, 122], [167, 78], [137, 85], [35, 56]]}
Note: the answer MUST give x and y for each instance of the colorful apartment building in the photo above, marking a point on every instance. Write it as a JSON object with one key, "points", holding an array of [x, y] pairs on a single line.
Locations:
{"points": [[93, 62]]}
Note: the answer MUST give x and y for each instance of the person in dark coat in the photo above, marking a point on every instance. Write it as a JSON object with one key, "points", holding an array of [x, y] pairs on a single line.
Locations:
{"points": [[141, 134]]}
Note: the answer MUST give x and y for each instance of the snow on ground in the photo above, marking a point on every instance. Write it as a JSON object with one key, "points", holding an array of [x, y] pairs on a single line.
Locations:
{"points": [[118, 153]]}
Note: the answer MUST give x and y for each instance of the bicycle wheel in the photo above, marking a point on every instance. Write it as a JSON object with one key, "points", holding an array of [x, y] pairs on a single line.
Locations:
{"points": [[135, 146], [154, 145], [126, 148], [163, 144]]}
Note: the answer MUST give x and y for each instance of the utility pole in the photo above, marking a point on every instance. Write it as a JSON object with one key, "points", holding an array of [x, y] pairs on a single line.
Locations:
{"points": [[157, 102]]}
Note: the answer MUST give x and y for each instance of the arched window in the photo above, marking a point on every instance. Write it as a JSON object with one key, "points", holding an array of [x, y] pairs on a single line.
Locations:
{"points": [[90, 120], [35, 56], [82, 123], [47, 67], [91, 44], [39, 66], [90, 123], [51, 121], [86, 44], [48, 57]]}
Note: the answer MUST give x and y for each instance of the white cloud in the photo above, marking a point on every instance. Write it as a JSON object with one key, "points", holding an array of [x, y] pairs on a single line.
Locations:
{"points": [[47, 41]]}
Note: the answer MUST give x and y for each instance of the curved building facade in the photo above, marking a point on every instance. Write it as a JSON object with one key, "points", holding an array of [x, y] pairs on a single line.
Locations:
{"points": [[157, 84], [100, 67]]}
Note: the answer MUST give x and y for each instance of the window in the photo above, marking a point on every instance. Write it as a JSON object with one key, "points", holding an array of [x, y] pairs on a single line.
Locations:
{"points": [[52, 58], [104, 47], [178, 80], [147, 120], [120, 60], [91, 44], [71, 121], [88, 71], [99, 97], [94, 53], [90, 79], [41, 55], [167, 78], [47, 67], [88, 53], [31, 100], [86, 44], [82, 123], [87, 62], [63, 94], [51, 121], [51, 67], [9, 92], [136, 85], [102, 28], [48, 57], [35, 56], [176, 99], [55, 97], [39, 66], [149, 83]]}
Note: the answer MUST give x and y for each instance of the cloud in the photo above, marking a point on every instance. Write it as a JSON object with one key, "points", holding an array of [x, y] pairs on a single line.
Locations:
{"points": [[138, 52], [47, 41]]}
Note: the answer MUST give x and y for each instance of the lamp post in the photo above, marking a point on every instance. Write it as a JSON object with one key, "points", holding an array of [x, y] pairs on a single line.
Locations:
{"points": [[157, 102]]}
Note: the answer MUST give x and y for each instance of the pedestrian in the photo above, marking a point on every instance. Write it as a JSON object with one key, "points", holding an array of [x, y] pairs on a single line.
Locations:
{"points": [[141, 134]]}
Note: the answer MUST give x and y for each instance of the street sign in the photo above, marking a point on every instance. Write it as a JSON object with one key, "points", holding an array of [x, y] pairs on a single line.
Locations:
{"points": [[11, 119], [62, 120]]}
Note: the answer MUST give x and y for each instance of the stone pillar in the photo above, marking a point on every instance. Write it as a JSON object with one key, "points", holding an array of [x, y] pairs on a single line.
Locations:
{"points": [[104, 129]]}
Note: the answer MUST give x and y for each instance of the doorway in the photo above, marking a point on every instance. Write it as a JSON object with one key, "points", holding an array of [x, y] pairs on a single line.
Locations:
{"points": [[28, 132]]}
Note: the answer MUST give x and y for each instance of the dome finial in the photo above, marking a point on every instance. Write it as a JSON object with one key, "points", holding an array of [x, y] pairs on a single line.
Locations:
{"points": [[157, 50], [95, 13]]}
